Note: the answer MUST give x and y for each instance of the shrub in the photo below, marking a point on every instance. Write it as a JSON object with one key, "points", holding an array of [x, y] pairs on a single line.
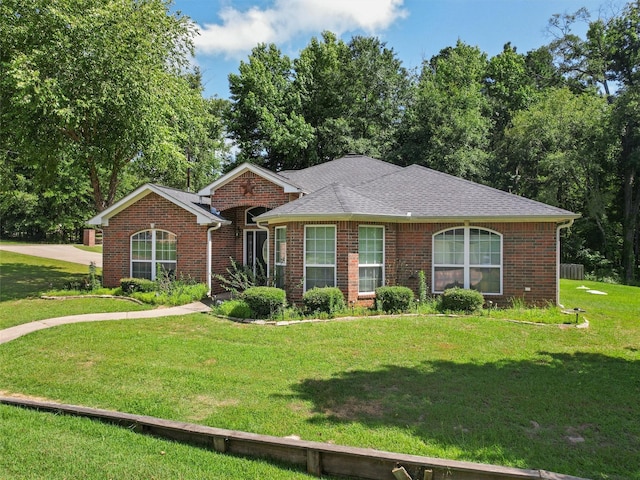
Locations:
{"points": [[240, 277], [264, 301], [326, 300], [460, 300], [131, 285], [394, 299], [234, 308]]}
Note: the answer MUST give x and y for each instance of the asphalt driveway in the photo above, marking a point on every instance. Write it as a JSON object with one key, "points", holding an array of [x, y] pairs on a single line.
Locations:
{"points": [[67, 253]]}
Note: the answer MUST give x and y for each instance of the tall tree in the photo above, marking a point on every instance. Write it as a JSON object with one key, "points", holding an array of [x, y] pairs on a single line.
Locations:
{"points": [[447, 127], [611, 52], [264, 118], [97, 82]]}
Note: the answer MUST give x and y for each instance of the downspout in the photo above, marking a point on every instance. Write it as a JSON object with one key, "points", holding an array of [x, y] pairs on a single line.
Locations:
{"points": [[209, 230], [266, 228], [560, 226]]}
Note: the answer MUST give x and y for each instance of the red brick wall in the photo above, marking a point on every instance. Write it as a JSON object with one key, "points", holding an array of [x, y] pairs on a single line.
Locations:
{"points": [[529, 257], [191, 241], [250, 189]]}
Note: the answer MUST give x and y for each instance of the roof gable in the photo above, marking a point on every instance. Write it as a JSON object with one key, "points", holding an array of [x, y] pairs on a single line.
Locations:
{"points": [[288, 186], [190, 202]]}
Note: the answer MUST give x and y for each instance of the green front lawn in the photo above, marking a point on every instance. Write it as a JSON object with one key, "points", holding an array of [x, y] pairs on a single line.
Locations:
{"points": [[473, 388]]}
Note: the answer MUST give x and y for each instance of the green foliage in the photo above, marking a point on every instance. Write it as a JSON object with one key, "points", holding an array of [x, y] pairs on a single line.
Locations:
{"points": [[240, 277], [234, 308], [264, 301], [104, 86], [132, 285], [326, 300], [422, 287], [394, 299], [461, 300]]}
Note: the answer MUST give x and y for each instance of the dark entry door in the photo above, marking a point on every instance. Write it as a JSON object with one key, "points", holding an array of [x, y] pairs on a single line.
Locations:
{"points": [[255, 251]]}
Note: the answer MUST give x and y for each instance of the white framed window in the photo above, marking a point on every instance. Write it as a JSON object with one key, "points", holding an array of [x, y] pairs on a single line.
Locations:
{"points": [[468, 257], [252, 212], [280, 255], [319, 256], [370, 258], [151, 252]]}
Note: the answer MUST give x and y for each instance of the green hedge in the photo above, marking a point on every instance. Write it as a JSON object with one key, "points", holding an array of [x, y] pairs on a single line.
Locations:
{"points": [[131, 285], [394, 299], [327, 300], [264, 301], [460, 300]]}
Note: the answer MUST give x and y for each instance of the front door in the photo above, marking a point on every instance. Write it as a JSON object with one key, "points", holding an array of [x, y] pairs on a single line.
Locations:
{"points": [[255, 252]]}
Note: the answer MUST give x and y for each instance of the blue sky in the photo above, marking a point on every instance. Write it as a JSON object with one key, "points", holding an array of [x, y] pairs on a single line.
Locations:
{"points": [[415, 29]]}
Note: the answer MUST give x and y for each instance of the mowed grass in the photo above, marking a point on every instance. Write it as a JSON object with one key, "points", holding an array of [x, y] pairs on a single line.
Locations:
{"points": [[471, 388], [24, 277], [36, 445]]}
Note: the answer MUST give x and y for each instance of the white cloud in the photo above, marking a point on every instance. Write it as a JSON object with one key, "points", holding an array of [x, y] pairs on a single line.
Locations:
{"points": [[239, 31]]}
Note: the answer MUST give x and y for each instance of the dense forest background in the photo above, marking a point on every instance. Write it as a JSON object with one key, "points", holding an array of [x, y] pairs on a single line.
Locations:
{"points": [[100, 96]]}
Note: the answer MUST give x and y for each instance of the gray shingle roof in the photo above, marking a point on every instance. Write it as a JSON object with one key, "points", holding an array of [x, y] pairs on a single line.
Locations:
{"points": [[334, 200], [412, 192], [191, 199], [349, 170]]}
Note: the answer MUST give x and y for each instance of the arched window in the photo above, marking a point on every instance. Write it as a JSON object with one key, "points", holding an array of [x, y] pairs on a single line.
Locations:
{"points": [[468, 257], [253, 212], [151, 252]]}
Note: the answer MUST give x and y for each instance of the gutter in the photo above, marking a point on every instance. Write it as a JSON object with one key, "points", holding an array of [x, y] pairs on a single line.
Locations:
{"points": [[209, 230], [560, 226], [265, 227]]}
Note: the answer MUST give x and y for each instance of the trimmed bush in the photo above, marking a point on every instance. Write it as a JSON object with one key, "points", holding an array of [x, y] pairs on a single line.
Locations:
{"points": [[461, 300], [234, 308], [394, 299], [131, 285], [326, 300], [264, 301]]}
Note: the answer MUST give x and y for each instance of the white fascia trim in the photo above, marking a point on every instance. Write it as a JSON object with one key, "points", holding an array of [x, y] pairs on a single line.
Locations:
{"points": [[412, 219], [248, 167], [103, 217]]}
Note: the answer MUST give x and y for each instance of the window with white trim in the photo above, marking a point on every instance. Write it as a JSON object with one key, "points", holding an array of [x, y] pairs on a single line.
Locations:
{"points": [[319, 256], [151, 252], [468, 257], [370, 258], [280, 255]]}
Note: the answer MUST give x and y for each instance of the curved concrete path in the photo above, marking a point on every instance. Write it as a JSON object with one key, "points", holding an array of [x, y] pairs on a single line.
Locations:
{"points": [[67, 253], [12, 333]]}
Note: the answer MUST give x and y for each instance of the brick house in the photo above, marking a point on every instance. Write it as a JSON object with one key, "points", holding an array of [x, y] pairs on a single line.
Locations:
{"points": [[356, 223]]}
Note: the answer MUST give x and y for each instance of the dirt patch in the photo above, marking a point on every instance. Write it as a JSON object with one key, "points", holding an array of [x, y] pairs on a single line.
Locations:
{"points": [[355, 408], [5, 393]]}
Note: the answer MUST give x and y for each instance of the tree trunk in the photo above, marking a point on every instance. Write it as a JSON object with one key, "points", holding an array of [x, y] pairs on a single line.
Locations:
{"points": [[630, 222]]}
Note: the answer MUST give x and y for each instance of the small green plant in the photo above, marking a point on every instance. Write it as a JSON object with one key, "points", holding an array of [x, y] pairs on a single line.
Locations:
{"points": [[264, 301], [240, 277], [394, 299], [461, 300], [327, 300], [422, 287], [95, 282]]}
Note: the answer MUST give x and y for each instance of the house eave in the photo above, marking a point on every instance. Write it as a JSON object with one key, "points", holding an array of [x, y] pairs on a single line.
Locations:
{"points": [[248, 167], [102, 219], [409, 218]]}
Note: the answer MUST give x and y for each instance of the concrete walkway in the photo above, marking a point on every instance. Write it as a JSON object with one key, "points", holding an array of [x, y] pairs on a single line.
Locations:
{"points": [[12, 333], [67, 253]]}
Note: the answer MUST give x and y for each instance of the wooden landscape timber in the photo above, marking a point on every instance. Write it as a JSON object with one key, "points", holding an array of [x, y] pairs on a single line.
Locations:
{"points": [[316, 457]]}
